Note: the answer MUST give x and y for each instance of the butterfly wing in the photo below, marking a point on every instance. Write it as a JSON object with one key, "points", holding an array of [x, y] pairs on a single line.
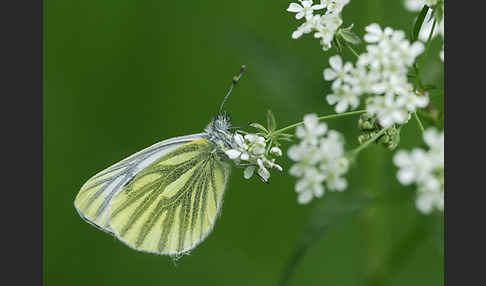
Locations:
{"points": [[93, 199], [171, 206]]}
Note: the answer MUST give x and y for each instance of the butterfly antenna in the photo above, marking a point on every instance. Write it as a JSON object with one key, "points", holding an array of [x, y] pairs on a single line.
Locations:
{"points": [[233, 84]]}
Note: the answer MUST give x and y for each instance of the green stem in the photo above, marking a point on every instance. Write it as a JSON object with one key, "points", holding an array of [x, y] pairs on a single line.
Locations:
{"points": [[419, 122], [320, 118], [422, 60], [365, 144], [351, 49]]}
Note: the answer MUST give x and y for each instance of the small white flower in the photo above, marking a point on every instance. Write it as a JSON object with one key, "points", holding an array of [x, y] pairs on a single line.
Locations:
{"points": [[248, 173], [307, 27], [361, 80], [414, 165], [390, 83], [428, 201], [411, 101], [425, 169], [300, 31], [338, 72], [305, 10], [408, 53], [334, 6], [344, 98], [305, 155], [240, 141], [375, 58], [387, 110], [434, 139], [317, 162], [325, 33], [310, 186], [333, 21], [256, 144], [374, 33], [251, 149], [335, 170], [233, 154], [324, 26], [240, 152], [311, 129]]}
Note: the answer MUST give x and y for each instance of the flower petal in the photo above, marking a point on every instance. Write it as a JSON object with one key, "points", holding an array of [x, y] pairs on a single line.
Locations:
{"points": [[248, 173], [336, 63], [294, 7], [233, 153]]}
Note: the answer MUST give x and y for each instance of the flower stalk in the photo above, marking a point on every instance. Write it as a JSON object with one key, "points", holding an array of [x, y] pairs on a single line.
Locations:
{"points": [[337, 115], [361, 147]]}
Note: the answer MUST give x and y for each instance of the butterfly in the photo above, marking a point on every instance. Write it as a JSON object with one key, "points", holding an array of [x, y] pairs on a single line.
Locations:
{"points": [[163, 199]]}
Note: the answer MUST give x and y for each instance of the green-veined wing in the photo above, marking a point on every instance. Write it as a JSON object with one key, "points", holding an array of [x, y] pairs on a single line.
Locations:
{"points": [[171, 205], [93, 199]]}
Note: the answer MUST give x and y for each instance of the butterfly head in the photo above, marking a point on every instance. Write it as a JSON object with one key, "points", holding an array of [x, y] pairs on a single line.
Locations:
{"points": [[218, 131]]}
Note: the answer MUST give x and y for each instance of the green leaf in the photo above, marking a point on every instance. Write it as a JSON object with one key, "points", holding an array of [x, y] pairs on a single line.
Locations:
{"points": [[271, 123], [419, 22], [331, 211], [258, 126]]}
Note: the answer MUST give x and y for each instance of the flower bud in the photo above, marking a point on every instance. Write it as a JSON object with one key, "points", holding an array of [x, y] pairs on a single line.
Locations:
{"points": [[367, 122]]}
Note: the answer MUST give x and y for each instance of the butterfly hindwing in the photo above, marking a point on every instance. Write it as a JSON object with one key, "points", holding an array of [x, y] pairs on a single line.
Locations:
{"points": [[93, 200], [171, 205]]}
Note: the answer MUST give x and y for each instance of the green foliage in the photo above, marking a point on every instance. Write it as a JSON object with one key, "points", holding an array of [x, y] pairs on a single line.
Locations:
{"points": [[329, 213]]}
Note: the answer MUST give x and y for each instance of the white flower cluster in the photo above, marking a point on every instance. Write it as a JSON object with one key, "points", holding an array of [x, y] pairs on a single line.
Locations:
{"points": [[426, 170], [324, 26], [251, 149], [417, 5], [382, 72], [319, 158]]}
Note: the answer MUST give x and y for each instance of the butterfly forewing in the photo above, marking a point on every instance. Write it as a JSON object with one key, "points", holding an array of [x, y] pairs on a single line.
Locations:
{"points": [[93, 200], [171, 205]]}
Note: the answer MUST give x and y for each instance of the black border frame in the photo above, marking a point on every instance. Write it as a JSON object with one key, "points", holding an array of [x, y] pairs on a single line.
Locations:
{"points": [[22, 30]]}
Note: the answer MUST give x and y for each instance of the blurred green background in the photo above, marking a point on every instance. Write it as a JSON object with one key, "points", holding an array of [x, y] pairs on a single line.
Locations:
{"points": [[122, 75]]}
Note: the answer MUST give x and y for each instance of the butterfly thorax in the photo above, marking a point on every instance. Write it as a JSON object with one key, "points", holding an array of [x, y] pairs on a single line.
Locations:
{"points": [[218, 132]]}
